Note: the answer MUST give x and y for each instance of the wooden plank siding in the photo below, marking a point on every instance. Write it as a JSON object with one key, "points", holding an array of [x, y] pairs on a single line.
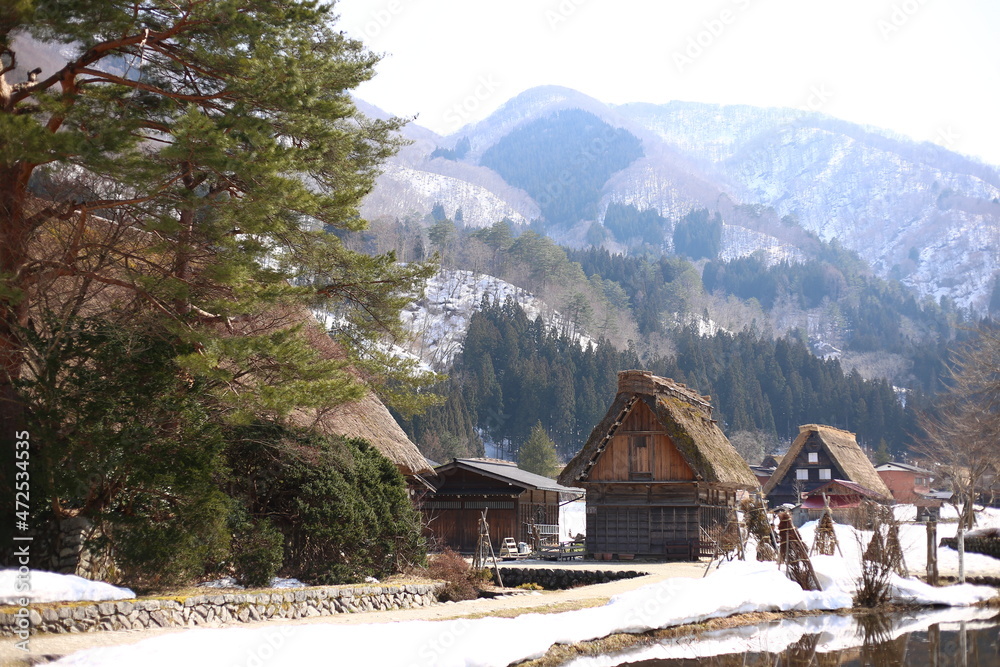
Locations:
{"points": [[452, 515], [642, 529], [458, 528], [640, 451]]}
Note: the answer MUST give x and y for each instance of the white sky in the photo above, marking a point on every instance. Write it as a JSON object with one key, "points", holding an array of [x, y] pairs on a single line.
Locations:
{"points": [[924, 68]]}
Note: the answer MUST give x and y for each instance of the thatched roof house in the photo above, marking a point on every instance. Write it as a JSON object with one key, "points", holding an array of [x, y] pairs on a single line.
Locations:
{"points": [[818, 455], [658, 471], [683, 415]]}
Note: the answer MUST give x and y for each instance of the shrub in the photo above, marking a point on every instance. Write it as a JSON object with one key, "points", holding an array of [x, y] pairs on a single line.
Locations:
{"points": [[258, 551], [879, 558], [342, 507], [156, 549], [461, 581]]}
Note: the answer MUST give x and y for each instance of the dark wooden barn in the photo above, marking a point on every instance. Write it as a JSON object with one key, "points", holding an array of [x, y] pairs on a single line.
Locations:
{"points": [[516, 499], [659, 474], [819, 455]]}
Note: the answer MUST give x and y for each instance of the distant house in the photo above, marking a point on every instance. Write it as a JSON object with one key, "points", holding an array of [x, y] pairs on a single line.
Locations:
{"points": [[515, 499], [771, 461], [839, 494], [819, 455], [908, 483], [762, 473], [843, 498], [658, 472]]}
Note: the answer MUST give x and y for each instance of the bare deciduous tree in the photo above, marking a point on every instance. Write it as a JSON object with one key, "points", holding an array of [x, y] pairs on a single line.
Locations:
{"points": [[962, 440]]}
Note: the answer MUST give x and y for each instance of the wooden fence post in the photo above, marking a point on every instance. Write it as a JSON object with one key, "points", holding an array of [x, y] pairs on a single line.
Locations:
{"points": [[932, 560]]}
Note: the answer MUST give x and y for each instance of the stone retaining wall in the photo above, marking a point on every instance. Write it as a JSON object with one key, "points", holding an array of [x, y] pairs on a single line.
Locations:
{"points": [[551, 578], [216, 609]]}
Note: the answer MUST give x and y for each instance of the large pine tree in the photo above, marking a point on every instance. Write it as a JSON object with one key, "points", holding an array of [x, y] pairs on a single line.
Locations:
{"points": [[174, 184], [192, 157]]}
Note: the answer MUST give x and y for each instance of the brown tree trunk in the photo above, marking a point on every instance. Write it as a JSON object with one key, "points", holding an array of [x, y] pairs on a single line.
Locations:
{"points": [[13, 316]]}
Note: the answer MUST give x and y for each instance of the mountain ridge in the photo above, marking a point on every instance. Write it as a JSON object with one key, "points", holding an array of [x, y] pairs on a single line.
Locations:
{"points": [[915, 212]]}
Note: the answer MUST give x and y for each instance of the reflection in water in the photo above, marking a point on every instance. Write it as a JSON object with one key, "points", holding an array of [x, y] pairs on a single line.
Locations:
{"points": [[941, 638]]}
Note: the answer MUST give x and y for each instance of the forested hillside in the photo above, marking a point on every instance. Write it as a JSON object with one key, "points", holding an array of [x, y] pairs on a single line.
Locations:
{"points": [[710, 323], [514, 372], [562, 161]]}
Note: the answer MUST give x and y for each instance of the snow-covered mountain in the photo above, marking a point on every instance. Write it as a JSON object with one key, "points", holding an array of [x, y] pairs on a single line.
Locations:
{"points": [[916, 212]]}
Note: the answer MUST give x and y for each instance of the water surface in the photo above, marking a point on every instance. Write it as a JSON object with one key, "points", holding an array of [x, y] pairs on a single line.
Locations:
{"points": [[939, 638]]}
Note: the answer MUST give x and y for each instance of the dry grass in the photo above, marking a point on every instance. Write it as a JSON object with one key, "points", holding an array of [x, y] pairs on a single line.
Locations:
{"points": [[554, 608]]}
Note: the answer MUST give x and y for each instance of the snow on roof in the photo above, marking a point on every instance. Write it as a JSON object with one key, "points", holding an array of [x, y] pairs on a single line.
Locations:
{"points": [[896, 465]]}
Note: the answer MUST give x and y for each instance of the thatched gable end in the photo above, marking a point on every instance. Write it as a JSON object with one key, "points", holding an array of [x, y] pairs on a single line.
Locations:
{"points": [[369, 419], [843, 450], [684, 416]]}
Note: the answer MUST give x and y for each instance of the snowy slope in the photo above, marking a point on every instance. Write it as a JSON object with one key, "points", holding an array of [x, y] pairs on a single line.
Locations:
{"points": [[406, 191], [441, 319], [913, 211], [916, 212]]}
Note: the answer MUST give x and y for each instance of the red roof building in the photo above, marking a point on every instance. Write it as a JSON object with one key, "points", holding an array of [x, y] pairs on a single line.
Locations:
{"points": [[908, 483], [841, 494]]}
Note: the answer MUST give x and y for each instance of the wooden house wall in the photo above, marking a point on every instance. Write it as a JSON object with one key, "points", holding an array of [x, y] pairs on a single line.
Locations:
{"points": [[536, 507], [640, 451], [663, 520], [785, 491], [642, 497], [452, 515], [455, 523]]}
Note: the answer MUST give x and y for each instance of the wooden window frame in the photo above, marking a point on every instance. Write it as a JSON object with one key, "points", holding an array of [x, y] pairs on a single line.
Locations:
{"points": [[634, 441]]}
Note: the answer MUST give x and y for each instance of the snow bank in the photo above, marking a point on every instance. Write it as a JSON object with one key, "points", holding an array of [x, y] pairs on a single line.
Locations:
{"points": [[913, 539], [737, 587], [53, 587]]}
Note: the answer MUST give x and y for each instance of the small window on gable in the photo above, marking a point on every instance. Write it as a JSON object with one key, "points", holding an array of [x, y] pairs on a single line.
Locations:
{"points": [[824, 473], [802, 473], [639, 467], [813, 457]]}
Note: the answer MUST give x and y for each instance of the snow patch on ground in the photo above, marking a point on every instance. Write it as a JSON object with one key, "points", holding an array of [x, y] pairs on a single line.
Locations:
{"points": [[738, 587], [54, 587]]}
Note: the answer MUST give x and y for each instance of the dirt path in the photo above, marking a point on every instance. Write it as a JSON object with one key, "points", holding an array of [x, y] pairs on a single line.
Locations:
{"points": [[50, 646]]}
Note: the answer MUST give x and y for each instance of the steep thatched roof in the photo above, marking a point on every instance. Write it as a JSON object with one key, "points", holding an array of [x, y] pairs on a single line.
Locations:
{"points": [[685, 416], [843, 450], [365, 418], [369, 419]]}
